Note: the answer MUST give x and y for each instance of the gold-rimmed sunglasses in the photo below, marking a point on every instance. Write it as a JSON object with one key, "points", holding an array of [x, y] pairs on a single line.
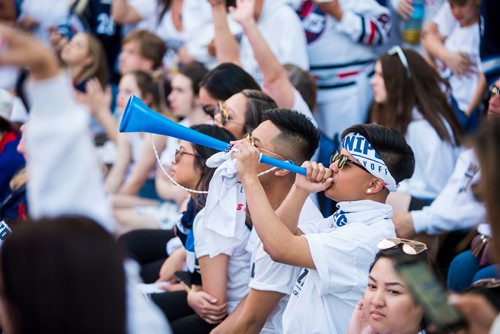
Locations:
{"points": [[494, 91], [224, 114], [410, 247], [342, 159]]}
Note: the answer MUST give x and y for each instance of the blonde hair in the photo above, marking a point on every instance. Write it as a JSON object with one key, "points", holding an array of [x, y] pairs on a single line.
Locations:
{"points": [[98, 68]]}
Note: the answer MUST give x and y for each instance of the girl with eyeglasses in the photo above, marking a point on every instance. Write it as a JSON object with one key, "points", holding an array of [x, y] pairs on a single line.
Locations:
{"points": [[388, 305], [408, 98]]}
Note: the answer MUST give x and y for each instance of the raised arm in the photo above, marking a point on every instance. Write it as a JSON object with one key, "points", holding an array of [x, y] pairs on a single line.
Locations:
{"points": [[276, 82], [369, 26], [279, 242], [226, 46], [123, 13]]}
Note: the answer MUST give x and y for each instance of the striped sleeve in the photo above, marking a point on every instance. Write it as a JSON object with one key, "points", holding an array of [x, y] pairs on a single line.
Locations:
{"points": [[366, 29]]}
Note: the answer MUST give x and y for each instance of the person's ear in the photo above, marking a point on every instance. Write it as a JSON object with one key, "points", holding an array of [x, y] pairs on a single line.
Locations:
{"points": [[375, 186], [281, 172]]}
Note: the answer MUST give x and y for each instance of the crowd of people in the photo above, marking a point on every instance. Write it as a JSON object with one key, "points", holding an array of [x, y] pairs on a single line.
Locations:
{"points": [[390, 108]]}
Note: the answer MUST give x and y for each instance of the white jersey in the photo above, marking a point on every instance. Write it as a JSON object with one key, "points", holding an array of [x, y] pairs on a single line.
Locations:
{"points": [[173, 38], [464, 40], [268, 275], [148, 11], [343, 71], [456, 207], [343, 247], [288, 45], [435, 159]]}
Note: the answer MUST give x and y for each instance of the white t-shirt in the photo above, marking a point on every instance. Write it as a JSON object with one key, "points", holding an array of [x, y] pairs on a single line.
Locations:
{"points": [[268, 275], [435, 159], [173, 38], [238, 270], [459, 39], [323, 299], [148, 10], [288, 45]]}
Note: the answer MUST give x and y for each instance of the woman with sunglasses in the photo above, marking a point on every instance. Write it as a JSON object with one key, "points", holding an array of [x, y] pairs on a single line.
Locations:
{"points": [[388, 305], [408, 98], [243, 112]]}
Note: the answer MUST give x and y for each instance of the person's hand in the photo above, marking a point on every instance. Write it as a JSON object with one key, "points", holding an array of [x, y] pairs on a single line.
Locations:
{"points": [[174, 287], [332, 8], [206, 306], [403, 224], [405, 9], [247, 159], [359, 320], [173, 263], [28, 23], [477, 311], [244, 11], [96, 98], [459, 63], [318, 177], [21, 49]]}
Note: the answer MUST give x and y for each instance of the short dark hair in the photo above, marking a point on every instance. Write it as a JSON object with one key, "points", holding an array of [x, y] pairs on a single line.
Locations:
{"points": [[227, 79], [195, 72], [390, 145], [151, 46], [63, 275], [299, 138]]}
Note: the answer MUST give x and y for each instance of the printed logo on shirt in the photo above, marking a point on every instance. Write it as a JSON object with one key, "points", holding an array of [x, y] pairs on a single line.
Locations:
{"points": [[300, 281], [471, 171], [313, 20], [252, 272], [340, 218], [241, 207]]}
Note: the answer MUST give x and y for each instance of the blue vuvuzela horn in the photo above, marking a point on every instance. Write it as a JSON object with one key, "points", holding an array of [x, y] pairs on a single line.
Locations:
{"points": [[138, 117]]}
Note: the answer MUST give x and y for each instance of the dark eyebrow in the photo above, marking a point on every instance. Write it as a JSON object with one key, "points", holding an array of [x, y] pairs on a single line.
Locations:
{"points": [[373, 279], [386, 284]]}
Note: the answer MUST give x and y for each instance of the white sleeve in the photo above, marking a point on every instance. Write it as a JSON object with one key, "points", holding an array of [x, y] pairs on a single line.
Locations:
{"points": [[455, 207], [63, 172], [268, 275], [445, 20], [334, 256], [293, 44], [145, 8]]}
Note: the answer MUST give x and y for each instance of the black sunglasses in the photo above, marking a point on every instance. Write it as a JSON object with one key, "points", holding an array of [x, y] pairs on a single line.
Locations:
{"points": [[336, 155]]}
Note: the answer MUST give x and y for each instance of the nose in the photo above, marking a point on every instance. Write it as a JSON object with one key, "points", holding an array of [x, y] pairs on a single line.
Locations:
{"points": [[378, 298], [218, 120]]}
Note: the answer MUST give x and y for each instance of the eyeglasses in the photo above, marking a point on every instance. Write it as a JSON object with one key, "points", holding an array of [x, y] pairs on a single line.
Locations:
{"points": [[494, 91], [249, 138], [336, 155], [180, 152], [396, 50], [410, 247], [224, 114]]}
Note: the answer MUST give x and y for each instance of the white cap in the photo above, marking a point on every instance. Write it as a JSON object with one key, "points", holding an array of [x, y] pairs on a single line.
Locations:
{"points": [[6, 104]]}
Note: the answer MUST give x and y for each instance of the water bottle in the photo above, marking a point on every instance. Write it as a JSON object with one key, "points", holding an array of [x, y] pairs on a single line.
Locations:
{"points": [[413, 27]]}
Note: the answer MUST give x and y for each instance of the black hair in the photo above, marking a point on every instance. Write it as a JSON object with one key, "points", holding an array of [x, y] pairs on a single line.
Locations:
{"points": [[196, 72], [203, 152], [226, 80], [305, 84], [63, 275], [390, 145], [257, 103], [299, 138]]}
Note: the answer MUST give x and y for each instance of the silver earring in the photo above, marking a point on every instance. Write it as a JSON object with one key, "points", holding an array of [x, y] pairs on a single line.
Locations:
{"points": [[369, 191]]}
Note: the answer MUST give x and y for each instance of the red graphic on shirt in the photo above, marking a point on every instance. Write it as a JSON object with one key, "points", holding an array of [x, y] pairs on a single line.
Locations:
{"points": [[241, 207]]}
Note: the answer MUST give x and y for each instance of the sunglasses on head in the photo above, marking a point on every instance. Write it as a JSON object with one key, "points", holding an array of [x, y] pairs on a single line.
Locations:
{"points": [[180, 152], [410, 247], [342, 159], [396, 50]]}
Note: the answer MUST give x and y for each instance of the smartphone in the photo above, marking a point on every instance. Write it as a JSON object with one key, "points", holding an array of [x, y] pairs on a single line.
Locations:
{"points": [[429, 293]]}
